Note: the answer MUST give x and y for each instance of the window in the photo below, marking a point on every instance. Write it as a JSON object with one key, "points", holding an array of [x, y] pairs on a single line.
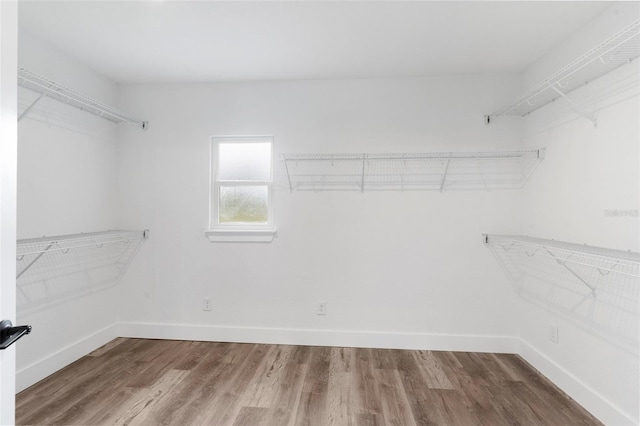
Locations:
{"points": [[241, 189]]}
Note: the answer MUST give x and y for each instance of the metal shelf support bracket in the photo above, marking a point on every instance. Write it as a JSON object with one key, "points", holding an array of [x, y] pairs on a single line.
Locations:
{"points": [[576, 107], [444, 175], [27, 109]]}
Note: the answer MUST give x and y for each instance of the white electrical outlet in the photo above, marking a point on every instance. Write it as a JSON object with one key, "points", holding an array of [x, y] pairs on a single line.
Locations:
{"points": [[553, 333], [321, 308], [207, 304]]}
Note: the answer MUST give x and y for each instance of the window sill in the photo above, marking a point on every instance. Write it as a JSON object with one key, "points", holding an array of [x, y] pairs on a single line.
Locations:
{"points": [[241, 235]]}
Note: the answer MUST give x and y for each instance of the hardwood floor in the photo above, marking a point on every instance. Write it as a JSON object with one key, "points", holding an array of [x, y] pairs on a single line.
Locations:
{"points": [[165, 382]]}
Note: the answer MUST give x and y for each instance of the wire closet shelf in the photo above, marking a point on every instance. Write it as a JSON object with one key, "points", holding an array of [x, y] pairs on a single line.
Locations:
{"points": [[411, 171], [29, 251], [597, 288], [571, 256], [51, 270], [620, 49], [53, 90]]}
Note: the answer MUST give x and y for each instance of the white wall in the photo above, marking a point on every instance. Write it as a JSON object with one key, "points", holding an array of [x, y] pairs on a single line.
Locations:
{"points": [[66, 185], [403, 269], [587, 171]]}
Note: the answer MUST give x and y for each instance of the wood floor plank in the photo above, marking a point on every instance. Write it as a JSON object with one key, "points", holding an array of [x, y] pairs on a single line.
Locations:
{"points": [[285, 406], [300, 355], [367, 390], [251, 416], [459, 410], [503, 361], [223, 405], [426, 405], [434, 374], [515, 410], [340, 399], [265, 383], [343, 360], [112, 408], [395, 404], [471, 369], [94, 394], [118, 364], [263, 387], [547, 396], [451, 367], [108, 346], [382, 359], [481, 397], [496, 372], [194, 390], [219, 393], [142, 406], [369, 420], [154, 382], [195, 352], [341, 394], [313, 401], [166, 354]]}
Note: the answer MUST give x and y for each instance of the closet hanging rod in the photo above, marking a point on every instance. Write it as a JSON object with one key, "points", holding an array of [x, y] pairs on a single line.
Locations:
{"points": [[51, 89]]}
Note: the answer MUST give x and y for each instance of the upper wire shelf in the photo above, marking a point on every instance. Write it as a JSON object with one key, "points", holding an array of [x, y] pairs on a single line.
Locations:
{"points": [[51, 89], [426, 171], [622, 48]]}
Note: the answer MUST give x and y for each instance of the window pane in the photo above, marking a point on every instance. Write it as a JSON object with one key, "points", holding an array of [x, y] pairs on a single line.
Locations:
{"points": [[243, 204], [244, 161]]}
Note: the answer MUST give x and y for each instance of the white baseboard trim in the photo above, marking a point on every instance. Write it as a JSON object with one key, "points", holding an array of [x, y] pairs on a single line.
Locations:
{"points": [[358, 339], [33, 373], [589, 398]]}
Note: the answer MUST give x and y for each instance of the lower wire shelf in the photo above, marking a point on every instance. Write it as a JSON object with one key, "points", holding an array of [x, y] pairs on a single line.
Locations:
{"points": [[598, 287], [50, 269]]}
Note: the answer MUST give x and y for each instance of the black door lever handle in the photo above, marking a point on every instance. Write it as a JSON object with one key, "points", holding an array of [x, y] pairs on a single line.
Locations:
{"points": [[9, 334]]}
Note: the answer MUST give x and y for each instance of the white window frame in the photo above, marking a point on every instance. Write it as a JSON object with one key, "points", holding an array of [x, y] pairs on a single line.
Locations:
{"points": [[238, 232]]}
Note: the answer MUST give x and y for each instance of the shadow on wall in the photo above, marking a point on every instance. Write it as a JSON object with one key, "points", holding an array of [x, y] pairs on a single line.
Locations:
{"points": [[597, 289], [54, 270], [53, 113]]}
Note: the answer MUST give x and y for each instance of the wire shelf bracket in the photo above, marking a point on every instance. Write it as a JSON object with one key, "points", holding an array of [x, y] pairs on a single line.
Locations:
{"points": [[616, 51], [53, 90], [438, 171]]}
